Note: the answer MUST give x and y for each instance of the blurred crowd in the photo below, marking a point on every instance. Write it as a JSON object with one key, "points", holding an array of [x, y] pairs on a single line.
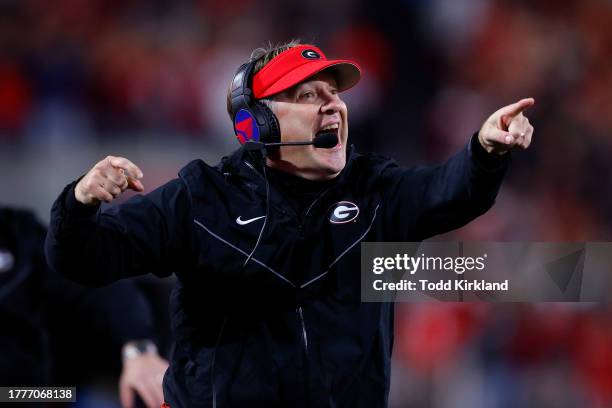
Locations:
{"points": [[80, 75]]}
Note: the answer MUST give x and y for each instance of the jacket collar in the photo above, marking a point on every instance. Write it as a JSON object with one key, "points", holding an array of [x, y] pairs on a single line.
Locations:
{"points": [[247, 167]]}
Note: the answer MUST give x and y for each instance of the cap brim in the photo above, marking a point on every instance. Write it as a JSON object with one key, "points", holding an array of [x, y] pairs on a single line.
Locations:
{"points": [[347, 74]]}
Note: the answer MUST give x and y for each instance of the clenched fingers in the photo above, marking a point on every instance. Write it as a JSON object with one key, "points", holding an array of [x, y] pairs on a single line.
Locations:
{"points": [[134, 184], [126, 165], [495, 140], [507, 128], [107, 180], [101, 194], [521, 130]]}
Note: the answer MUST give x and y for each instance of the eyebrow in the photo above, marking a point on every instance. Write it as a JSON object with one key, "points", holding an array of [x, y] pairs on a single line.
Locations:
{"points": [[294, 91], [305, 84]]}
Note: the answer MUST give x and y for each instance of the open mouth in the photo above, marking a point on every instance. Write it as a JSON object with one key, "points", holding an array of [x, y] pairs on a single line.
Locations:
{"points": [[333, 128]]}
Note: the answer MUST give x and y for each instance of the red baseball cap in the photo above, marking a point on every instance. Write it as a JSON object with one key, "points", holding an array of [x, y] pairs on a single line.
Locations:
{"points": [[296, 64]]}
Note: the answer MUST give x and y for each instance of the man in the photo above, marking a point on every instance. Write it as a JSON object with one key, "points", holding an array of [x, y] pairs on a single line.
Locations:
{"points": [[50, 325], [267, 311]]}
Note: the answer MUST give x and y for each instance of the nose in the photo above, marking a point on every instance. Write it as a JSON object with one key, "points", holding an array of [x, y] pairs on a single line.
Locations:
{"points": [[331, 104]]}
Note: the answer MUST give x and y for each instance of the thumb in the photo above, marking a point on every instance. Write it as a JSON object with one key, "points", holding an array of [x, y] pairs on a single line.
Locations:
{"points": [[126, 395]]}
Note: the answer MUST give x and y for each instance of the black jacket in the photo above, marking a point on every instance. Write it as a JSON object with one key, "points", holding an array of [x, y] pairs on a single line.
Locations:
{"points": [[42, 312], [287, 329]]}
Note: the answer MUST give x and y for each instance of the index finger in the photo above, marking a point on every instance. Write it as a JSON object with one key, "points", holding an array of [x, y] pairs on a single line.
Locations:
{"points": [[125, 164], [516, 108]]}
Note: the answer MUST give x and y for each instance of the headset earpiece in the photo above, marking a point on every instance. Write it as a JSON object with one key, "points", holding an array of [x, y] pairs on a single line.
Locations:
{"points": [[252, 120], [272, 134]]}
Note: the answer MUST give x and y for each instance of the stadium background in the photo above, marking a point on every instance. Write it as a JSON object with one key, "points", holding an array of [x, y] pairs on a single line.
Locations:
{"points": [[147, 80]]}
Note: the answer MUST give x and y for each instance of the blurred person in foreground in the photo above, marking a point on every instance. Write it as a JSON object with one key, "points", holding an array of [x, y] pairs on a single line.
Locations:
{"points": [[267, 310], [54, 330]]}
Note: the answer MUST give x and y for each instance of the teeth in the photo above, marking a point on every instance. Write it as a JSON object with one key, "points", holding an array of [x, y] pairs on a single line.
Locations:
{"points": [[330, 127]]}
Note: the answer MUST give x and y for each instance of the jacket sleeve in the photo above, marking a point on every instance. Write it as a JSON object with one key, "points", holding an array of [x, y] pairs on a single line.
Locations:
{"points": [[144, 234], [426, 201]]}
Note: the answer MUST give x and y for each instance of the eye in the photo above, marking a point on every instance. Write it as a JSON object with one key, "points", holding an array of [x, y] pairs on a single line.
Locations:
{"points": [[307, 95], [334, 91]]}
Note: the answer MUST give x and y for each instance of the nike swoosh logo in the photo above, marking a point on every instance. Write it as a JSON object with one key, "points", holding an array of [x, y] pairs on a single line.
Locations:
{"points": [[240, 221]]}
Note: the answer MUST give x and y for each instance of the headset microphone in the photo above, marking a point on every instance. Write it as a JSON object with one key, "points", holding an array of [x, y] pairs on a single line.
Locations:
{"points": [[325, 140], [321, 141]]}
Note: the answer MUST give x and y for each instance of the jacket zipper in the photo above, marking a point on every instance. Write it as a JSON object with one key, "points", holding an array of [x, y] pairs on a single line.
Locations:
{"points": [[303, 220], [304, 335], [315, 201], [249, 165], [300, 316]]}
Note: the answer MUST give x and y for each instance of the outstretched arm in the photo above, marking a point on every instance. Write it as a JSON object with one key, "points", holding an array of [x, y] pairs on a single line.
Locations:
{"points": [[143, 235], [426, 201]]}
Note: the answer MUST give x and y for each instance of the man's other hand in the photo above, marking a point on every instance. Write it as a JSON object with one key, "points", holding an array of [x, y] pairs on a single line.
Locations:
{"points": [[107, 180], [142, 375], [507, 128]]}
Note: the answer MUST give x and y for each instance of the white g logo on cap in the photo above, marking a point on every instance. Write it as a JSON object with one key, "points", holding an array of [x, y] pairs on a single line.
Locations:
{"points": [[310, 54]]}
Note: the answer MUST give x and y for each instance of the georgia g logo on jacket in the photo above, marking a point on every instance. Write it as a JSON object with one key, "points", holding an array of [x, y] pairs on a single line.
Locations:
{"points": [[343, 212]]}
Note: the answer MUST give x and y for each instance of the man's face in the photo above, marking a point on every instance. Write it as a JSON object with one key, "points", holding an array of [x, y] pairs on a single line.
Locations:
{"points": [[303, 111]]}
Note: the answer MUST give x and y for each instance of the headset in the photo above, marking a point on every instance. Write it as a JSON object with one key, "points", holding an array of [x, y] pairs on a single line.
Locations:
{"points": [[253, 121]]}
